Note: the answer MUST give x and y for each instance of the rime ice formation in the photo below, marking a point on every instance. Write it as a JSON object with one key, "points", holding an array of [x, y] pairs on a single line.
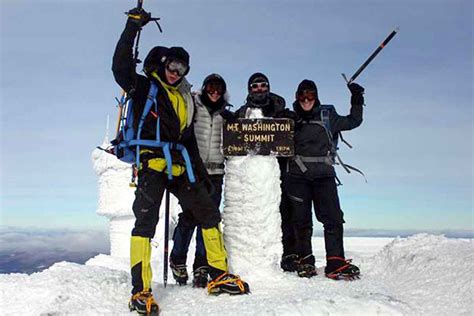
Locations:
{"points": [[116, 199], [251, 215]]}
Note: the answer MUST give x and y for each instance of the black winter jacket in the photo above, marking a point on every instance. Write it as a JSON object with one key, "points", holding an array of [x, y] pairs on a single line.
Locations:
{"points": [[137, 87], [311, 139]]}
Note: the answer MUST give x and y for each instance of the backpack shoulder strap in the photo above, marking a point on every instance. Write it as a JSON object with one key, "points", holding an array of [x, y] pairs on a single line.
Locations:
{"points": [[326, 109]]}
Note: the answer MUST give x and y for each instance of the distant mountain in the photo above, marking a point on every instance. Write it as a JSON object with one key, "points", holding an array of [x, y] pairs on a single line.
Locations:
{"points": [[28, 250], [35, 261]]}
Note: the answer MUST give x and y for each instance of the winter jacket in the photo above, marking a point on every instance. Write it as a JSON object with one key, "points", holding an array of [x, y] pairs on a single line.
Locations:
{"points": [[137, 86], [312, 140], [208, 131]]}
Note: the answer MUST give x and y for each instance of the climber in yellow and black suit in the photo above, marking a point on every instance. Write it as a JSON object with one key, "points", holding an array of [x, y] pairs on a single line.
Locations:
{"points": [[166, 67]]}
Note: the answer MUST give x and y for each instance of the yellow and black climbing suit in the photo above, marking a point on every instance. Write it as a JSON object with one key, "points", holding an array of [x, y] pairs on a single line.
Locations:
{"points": [[197, 206]]}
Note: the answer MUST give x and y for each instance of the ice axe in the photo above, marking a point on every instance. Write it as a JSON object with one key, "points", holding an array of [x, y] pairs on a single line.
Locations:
{"points": [[371, 57], [135, 53]]}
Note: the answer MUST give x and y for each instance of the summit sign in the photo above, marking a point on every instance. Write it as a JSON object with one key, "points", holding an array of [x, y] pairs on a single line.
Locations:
{"points": [[258, 137]]}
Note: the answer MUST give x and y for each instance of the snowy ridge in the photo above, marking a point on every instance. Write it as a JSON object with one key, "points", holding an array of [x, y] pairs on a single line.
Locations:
{"points": [[423, 274], [442, 265]]}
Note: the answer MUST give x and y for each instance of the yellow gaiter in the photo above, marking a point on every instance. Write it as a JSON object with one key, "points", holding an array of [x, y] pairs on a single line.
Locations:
{"points": [[140, 257], [215, 251]]}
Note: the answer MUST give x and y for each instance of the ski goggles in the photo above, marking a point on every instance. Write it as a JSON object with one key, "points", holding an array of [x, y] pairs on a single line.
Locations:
{"points": [[177, 66], [259, 85], [215, 87], [307, 95]]}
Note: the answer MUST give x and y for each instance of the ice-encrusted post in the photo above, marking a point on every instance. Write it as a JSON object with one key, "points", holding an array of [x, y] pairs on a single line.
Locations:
{"points": [[251, 216], [116, 199]]}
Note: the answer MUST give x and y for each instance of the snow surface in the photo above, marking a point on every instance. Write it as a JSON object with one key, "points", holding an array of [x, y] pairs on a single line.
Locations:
{"points": [[422, 274]]}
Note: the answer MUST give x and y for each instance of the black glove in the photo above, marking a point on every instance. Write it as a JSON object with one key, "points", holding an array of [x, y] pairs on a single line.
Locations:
{"points": [[139, 16], [211, 189], [357, 92], [355, 88]]}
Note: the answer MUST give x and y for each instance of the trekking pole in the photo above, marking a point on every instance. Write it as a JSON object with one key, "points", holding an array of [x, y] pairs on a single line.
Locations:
{"points": [[371, 57], [167, 228]]}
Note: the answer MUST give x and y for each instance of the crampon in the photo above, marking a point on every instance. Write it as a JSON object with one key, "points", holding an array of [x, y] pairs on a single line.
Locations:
{"points": [[144, 304], [180, 274], [346, 271], [228, 283]]}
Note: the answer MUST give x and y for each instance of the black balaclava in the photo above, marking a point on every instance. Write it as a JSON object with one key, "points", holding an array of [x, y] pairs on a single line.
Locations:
{"points": [[156, 60], [306, 85], [258, 99], [213, 106]]}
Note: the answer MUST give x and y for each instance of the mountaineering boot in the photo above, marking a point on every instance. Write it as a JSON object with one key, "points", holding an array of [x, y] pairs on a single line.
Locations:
{"points": [[338, 268], [228, 283], [144, 304], [289, 263], [200, 277], [180, 274], [306, 268]]}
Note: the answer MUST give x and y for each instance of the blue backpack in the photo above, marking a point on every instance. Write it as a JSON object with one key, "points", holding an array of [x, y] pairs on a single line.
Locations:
{"points": [[126, 146]]}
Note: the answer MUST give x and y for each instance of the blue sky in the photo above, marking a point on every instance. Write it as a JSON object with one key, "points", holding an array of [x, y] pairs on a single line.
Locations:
{"points": [[415, 144]]}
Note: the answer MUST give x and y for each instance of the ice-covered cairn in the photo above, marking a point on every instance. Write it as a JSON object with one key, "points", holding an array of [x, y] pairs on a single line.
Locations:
{"points": [[251, 215], [116, 199]]}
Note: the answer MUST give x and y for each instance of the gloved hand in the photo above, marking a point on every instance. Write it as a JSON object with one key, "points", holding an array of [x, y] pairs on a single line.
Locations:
{"points": [[139, 16], [357, 92], [211, 189], [355, 88]]}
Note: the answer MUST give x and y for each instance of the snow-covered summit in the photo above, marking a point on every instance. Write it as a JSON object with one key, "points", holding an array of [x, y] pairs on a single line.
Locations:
{"points": [[419, 275]]}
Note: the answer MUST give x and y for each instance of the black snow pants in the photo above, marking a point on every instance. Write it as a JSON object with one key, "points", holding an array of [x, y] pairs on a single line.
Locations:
{"points": [[297, 221], [193, 198], [198, 207]]}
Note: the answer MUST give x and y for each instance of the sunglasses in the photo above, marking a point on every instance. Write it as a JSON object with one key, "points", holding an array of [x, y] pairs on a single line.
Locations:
{"points": [[178, 67], [214, 88], [257, 85], [310, 96]]}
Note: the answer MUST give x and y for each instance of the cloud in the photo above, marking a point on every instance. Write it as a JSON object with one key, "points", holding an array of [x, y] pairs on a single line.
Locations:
{"points": [[25, 239], [353, 232], [30, 250]]}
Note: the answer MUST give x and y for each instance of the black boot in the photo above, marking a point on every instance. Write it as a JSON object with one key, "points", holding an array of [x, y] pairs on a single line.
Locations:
{"points": [[201, 277], [338, 268], [289, 263], [180, 274], [144, 304], [306, 267]]}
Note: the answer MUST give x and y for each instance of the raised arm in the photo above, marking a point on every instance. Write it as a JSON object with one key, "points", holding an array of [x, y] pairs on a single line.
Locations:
{"points": [[123, 63], [354, 119]]}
